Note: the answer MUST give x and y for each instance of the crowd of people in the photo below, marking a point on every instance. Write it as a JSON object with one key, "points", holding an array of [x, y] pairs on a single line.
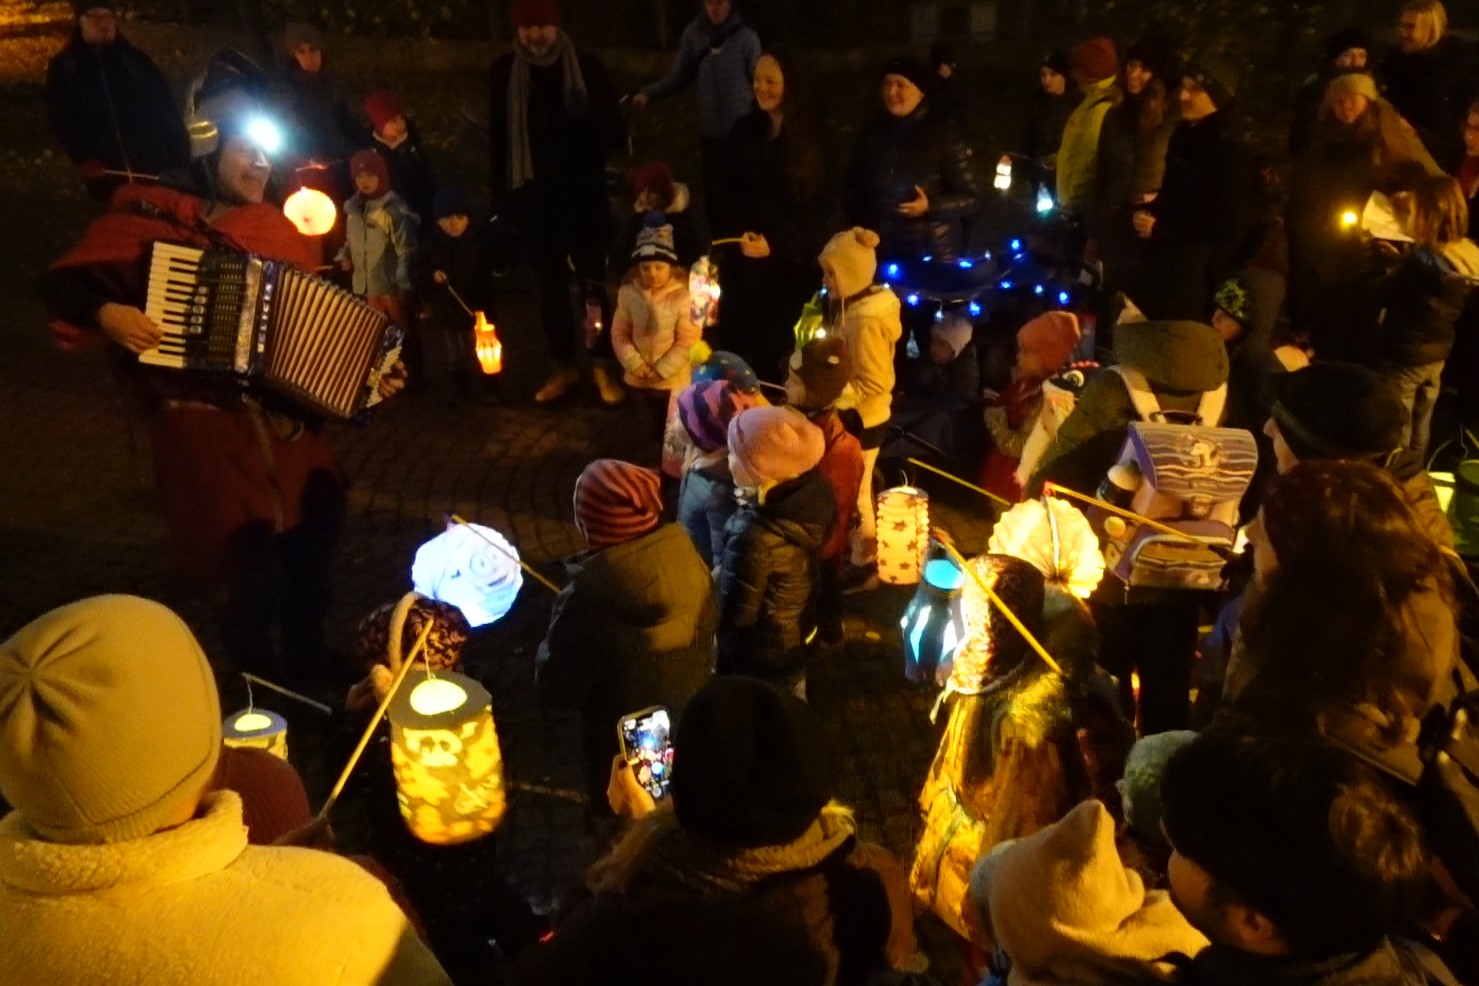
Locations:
{"points": [[1282, 368]]}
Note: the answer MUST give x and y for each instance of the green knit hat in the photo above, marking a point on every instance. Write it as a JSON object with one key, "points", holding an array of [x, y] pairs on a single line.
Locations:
{"points": [[1234, 298]]}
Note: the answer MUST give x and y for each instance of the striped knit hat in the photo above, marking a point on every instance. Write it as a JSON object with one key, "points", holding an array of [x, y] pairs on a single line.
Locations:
{"points": [[706, 408], [616, 502]]}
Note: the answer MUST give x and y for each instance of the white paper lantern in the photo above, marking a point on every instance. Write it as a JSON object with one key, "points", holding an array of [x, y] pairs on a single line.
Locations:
{"points": [[1056, 538], [256, 729], [903, 534], [460, 568]]}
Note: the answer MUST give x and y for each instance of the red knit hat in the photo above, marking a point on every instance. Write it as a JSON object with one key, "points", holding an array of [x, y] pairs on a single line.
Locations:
{"points": [[616, 502], [536, 13], [1053, 336], [1094, 60], [657, 178], [382, 106], [370, 160]]}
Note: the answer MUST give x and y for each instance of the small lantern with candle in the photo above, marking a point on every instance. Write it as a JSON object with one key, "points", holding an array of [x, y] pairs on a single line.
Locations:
{"points": [[311, 211], [257, 729], [903, 534], [486, 344], [703, 292], [1003, 180]]}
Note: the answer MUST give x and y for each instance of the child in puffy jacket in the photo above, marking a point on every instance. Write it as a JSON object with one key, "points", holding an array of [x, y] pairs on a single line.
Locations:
{"points": [[706, 496], [380, 238]]}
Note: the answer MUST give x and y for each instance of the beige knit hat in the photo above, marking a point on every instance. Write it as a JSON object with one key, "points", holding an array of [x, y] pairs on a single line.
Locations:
{"points": [[109, 720], [852, 256]]}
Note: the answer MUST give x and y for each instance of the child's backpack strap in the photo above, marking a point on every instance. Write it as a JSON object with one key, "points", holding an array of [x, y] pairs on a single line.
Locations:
{"points": [[1212, 406], [1148, 406], [1144, 399]]}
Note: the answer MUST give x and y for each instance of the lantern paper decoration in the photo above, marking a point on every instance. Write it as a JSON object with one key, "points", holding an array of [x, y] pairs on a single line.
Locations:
{"points": [[810, 325], [1003, 180], [463, 569], [486, 344], [311, 211], [932, 624], [1056, 538], [903, 534], [448, 766], [703, 292], [256, 729]]}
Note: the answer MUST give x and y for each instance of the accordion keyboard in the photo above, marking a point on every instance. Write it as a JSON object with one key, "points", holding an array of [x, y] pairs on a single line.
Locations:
{"points": [[204, 304]]}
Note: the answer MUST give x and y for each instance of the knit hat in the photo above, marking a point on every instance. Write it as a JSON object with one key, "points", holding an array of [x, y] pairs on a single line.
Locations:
{"points": [[536, 13], [852, 256], [1057, 60], [1234, 298], [369, 161], [109, 720], [772, 445], [443, 648], [750, 766], [1053, 336], [911, 68], [450, 201], [706, 408], [1066, 909], [941, 53], [1353, 84], [1142, 788], [655, 240], [616, 502], [720, 364], [955, 329], [1343, 41], [382, 106], [1216, 76], [80, 7], [300, 33], [657, 178], [1093, 60], [1152, 51], [824, 368], [1338, 411]]}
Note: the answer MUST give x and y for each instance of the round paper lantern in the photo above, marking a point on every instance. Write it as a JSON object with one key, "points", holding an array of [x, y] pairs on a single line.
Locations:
{"points": [[311, 211], [903, 534], [448, 767], [461, 568], [1056, 538], [257, 729], [933, 626]]}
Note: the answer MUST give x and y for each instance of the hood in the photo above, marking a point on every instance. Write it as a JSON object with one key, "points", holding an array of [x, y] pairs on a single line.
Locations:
{"points": [[882, 305], [800, 511], [1100, 89], [1463, 256], [1186, 357]]}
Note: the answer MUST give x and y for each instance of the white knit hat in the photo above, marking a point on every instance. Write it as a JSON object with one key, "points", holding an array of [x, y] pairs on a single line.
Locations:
{"points": [[852, 256]]}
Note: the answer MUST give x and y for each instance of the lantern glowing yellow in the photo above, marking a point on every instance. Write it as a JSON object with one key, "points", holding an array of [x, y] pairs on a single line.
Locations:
{"points": [[1003, 180], [488, 348], [448, 767], [257, 729], [903, 534], [311, 211], [1349, 218], [703, 292]]}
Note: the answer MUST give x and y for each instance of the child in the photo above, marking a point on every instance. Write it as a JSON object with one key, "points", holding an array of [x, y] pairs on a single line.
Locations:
{"points": [[397, 140], [1044, 345], [706, 497], [942, 385], [767, 580], [654, 190], [652, 330], [380, 238], [820, 371], [451, 265]]}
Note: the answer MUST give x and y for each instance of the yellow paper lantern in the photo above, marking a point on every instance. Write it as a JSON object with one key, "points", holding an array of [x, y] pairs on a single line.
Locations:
{"points": [[488, 348], [257, 729], [311, 211], [1003, 180], [448, 766], [703, 292], [903, 534]]}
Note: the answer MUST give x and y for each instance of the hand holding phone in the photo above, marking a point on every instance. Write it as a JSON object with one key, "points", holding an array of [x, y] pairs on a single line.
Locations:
{"points": [[647, 748]]}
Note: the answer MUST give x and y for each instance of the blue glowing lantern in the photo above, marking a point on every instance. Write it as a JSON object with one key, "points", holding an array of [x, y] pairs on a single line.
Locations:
{"points": [[462, 568], [966, 263], [932, 624], [1045, 203]]}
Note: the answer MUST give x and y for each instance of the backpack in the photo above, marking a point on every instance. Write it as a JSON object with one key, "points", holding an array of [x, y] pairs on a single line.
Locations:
{"points": [[1184, 474]]}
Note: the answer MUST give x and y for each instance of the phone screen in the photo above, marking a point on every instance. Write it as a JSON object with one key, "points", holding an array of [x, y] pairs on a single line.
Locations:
{"points": [[647, 744]]}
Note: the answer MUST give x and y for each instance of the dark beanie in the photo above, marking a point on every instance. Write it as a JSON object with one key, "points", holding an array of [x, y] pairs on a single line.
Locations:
{"points": [[1057, 60], [1343, 41], [749, 765], [1094, 60], [80, 7], [1154, 52], [912, 69], [450, 201], [941, 54], [536, 13], [1338, 411], [1216, 76], [301, 33]]}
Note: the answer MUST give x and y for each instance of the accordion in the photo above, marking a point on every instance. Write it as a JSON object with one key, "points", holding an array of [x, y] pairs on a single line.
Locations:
{"points": [[225, 312]]}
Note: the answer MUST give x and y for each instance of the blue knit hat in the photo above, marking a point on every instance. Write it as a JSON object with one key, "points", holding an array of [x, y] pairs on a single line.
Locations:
{"points": [[722, 365], [655, 240], [450, 201]]}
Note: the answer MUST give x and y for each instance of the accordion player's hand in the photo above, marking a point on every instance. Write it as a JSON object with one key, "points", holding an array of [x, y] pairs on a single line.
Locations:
{"points": [[393, 382], [129, 327]]}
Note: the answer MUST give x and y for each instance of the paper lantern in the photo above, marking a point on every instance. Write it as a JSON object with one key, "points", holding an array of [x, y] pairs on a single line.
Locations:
{"points": [[811, 323], [1056, 538], [932, 624], [703, 292], [1045, 203], [1349, 218], [257, 729], [461, 568], [903, 534], [993, 648], [311, 211], [1003, 180], [487, 346], [448, 767]]}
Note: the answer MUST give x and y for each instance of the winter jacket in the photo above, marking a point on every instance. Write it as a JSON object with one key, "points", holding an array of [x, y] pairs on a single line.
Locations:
{"points": [[1432, 90], [1180, 361], [768, 577], [111, 104], [891, 157], [870, 326], [655, 329], [411, 176], [325, 129], [1078, 154], [1046, 118], [1390, 964], [758, 195], [679, 216], [1131, 160], [1410, 471], [705, 504], [196, 904], [1307, 103], [722, 59], [1418, 304], [842, 468], [380, 242], [464, 260]]}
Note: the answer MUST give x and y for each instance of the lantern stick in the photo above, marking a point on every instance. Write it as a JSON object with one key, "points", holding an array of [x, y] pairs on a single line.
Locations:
{"points": [[727, 239], [509, 555], [458, 298], [364, 740], [284, 691], [1053, 489], [574, 797], [1005, 610], [956, 479]]}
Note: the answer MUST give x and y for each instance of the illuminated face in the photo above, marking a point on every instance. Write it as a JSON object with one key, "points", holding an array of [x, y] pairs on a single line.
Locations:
{"points": [[454, 225], [1137, 76], [1227, 327], [99, 26], [538, 38], [1196, 104], [394, 129], [654, 274], [1471, 135], [1284, 457], [769, 85], [1412, 32], [310, 57], [367, 182], [718, 10], [1351, 60], [1053, 83], [242, 171], [1347, 107], [829, 281], [900, 96]]}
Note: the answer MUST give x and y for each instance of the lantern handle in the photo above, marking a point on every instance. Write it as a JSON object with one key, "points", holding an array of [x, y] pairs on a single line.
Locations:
{"points": [[1053, 489], [454, 518], [1005, 610], [251, 678], [956, 479], [458, 298], [364, 740]]}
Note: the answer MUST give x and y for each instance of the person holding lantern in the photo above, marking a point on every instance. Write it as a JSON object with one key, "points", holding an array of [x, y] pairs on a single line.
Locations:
{"points": [[452, 275]]}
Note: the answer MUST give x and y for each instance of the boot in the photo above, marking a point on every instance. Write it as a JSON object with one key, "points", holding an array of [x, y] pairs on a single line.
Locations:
{"points": [[561, 379], [608, 383]]}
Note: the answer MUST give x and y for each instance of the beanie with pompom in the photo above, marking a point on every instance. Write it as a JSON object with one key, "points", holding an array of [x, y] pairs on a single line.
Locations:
{"points": [[852, 259]]}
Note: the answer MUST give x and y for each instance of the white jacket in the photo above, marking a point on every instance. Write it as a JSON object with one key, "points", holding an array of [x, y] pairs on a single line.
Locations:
{"points": [[655, 328], [871, 328]]}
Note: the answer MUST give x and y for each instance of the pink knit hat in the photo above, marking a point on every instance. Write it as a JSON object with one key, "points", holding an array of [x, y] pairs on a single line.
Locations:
{"points": [[616, 502], [1053, 336], [772, 445]]}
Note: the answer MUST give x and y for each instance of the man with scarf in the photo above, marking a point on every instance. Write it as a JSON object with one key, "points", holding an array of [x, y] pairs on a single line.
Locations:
{"points": [[552, 121]]}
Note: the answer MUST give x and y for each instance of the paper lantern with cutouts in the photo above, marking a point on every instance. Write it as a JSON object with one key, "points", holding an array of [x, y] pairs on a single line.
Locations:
{"points": [[448, 767], [903, 534], [256, 729], [703, 292], [1056, 538], [460, 567], [486, 345], [932, 625], [311, 211]]}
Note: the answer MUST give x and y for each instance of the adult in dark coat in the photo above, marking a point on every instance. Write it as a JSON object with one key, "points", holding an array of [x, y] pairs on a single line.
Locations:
{"points": [[1431, 78], [775, 197], [325, 129], [1467, 172], [552, 121], [1345, 51], [1048, 108], [110, 107]]}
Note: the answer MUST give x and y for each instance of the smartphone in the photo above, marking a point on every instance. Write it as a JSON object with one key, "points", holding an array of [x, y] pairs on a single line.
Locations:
{"points": [[647, 745]]}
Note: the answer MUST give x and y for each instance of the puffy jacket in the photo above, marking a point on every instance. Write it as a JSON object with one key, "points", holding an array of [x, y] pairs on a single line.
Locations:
{"points": [[768, 578], [1419, 303], [871, 328], [1432, 90], [721, 57], [1078, 154], [705, 504], [379, 240], [891, 157], [654, 329]]}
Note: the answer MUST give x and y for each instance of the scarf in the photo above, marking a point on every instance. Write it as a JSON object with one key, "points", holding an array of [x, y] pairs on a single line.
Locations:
{"points": [[520, 160]]}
